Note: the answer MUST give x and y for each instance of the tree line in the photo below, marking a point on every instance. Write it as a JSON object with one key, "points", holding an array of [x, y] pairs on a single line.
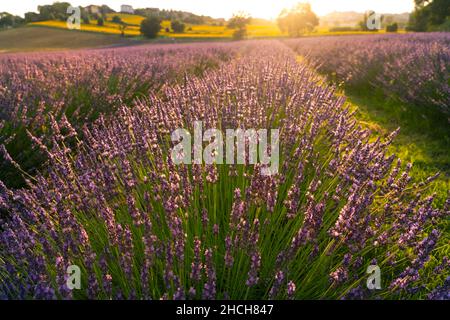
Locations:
{"points": [[430, 16], [58, 11]]}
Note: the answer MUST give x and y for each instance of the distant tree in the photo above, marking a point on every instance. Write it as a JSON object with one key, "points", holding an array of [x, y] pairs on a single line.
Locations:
{"points": [[239, 22], [151, 26], [116, 19], [363, 23], [8, 20], [418, 21], [172, 15], [60, 10], [46, 13], [104, 9], [445, 26], [55, 11], [177, 26], [437, 10], [18, 20], [32, 17], [85, 16], [392, 27], [298, 20], [100, 21], [122, 27], [429, 14]]}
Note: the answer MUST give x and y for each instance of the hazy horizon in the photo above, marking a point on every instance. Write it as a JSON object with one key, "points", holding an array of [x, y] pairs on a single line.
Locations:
{"points": [[266, 9]]}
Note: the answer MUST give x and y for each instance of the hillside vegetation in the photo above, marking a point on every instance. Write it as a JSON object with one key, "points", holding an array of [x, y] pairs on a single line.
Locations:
{"points": [[34, 38]]}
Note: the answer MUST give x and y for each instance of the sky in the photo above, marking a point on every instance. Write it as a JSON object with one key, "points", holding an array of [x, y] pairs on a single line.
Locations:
{"points": [[267, 9]]}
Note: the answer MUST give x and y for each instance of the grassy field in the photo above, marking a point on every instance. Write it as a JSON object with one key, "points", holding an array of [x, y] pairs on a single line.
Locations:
{"points": [[34, 38], [424, 137], [423, 140], [257, 30]]}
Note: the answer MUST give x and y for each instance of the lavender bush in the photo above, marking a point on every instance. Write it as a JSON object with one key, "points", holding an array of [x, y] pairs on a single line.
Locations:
{"points": [[82, 84], [414, 67], [141, 227]]}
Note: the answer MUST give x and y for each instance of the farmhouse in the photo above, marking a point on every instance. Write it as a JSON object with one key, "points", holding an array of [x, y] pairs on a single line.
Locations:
{"points": [[92, 9], [126, 9]]}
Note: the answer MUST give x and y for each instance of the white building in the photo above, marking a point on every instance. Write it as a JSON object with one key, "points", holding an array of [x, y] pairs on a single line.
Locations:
{"points": [[93, 9], [126, 9]]}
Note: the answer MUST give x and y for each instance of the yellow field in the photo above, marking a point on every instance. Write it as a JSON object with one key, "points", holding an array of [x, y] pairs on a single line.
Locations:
{"points": [[192, 31], [266, 30], [109, 28], [127, 18]]}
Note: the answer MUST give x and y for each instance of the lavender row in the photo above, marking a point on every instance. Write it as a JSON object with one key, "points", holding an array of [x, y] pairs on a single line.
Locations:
{"points": [[413, 67]]}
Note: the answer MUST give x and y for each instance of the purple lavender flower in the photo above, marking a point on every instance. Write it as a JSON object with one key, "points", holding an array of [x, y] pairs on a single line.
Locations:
{"points": [[291, 289]]}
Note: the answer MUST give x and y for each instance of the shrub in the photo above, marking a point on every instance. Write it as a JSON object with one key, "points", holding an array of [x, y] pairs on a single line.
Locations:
{"points": [[177, 26], [445, 26], [100, 22], [150, 27], [116, 19], [239, 22], [392, 27], [240, 34]]}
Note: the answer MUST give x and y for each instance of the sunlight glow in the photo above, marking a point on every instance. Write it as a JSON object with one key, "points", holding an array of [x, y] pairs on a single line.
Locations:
{"points": [[267, 9]]}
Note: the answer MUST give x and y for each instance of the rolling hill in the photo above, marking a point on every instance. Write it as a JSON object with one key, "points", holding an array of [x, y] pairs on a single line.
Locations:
{"points": [[40, 38]]}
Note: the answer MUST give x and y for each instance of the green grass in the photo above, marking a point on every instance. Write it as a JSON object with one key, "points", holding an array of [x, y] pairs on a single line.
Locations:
{"points": [[424, 137], [43, 39]]}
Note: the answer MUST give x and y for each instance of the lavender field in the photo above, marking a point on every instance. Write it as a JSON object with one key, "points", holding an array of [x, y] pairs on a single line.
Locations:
{"points": [[415, 68], [88, 179]]}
